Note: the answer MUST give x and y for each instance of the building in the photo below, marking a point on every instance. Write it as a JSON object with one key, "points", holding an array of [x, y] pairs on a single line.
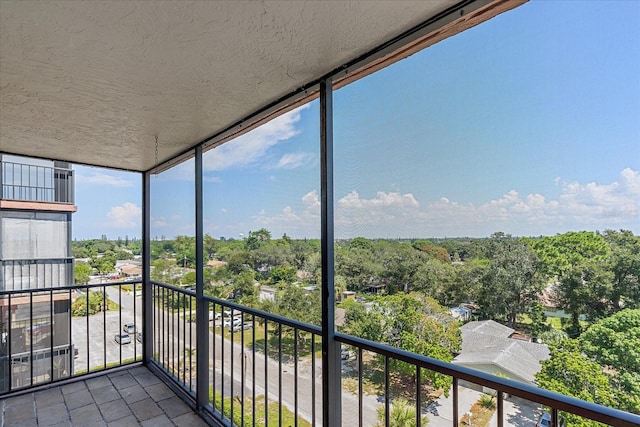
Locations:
{"points": [[36, 206], [489, 347]]}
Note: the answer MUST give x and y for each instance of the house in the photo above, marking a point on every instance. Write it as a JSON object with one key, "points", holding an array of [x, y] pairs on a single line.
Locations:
{"points": [[461, 313], [489, 347]]}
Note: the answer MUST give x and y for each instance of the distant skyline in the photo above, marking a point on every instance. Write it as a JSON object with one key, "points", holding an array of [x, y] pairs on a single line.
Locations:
{"points": [[527, 124]]}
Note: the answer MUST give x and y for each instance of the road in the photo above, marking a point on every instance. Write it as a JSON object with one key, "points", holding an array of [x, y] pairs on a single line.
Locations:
{"points": [[180, 335]]}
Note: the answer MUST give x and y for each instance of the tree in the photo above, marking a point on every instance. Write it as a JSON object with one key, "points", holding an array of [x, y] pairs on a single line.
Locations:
{"points": [[578, 262], [624, 264], [512, 281], [257, 238], [569, 371], [615, 341], [420, 325], [296, 303], [360, 323], [81, 273], [244, 288], [436, 252], [104, 264], [402, 267]]}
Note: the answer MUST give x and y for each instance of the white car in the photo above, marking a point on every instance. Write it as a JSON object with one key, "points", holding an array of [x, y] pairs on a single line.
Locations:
{"points": [[214, 316], [231, 322], [242, 326]]}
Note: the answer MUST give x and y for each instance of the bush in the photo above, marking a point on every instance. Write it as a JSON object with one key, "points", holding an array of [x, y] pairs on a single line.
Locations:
{"points": [[487, 401], [97, 302]]}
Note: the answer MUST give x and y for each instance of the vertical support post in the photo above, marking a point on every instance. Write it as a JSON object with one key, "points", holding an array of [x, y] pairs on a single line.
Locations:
{"points": [[455, 401], [202, 315], [500, 398], [331, 370], [147, 292]]}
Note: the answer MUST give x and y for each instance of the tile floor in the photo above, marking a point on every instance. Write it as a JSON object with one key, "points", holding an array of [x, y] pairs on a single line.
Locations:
{"points": [[132, 397]]}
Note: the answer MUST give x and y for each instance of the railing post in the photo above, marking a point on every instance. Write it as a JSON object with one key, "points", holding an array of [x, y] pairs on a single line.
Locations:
{"points": [[331, 370], [147, 292], [202, 315]]}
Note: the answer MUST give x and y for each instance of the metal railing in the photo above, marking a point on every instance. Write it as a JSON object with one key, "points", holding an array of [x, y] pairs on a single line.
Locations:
{"points": [[265, 369], [35, 183], [60, 333], [256, 360]]}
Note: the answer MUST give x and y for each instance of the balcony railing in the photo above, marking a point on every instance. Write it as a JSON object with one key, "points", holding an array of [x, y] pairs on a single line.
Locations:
{"points": [[60, 333], [262, 369], [35, 183]]}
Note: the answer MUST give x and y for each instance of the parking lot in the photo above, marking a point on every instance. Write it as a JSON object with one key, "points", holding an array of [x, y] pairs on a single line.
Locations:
{"points": [[94, 336]]}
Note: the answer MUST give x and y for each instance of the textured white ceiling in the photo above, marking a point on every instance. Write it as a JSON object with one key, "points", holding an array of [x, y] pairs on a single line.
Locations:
{"points": [[95, 82]]}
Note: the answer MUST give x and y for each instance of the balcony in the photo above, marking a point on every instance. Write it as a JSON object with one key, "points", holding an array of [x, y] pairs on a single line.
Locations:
{"points": [[36, 183], [260, 369], [129, 86]]}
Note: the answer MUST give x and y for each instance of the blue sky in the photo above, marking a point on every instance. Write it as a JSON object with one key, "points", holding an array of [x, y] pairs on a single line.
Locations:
{"points": [[527, 124]]}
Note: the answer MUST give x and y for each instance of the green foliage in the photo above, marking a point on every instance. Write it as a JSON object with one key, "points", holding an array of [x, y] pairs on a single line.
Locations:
{"points": [[578, 261], [257, 239], [553, 336], [569, 371], [512, 282], [487, 401], [105, 263], [401, 414], [538, 320], [296, 303], [410, 322], [97, 303], [615, 341], [282, 273], [624, 264], [81, 273], [244, 288], [359, 322]]}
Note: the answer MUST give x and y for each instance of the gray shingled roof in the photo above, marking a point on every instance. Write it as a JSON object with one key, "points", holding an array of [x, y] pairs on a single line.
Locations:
{"points": [[488, 327], [487, 343]]}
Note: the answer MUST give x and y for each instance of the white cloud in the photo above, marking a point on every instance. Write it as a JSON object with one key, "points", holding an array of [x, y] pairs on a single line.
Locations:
{"points": [[311, 202], [294, 160], [302, 223], [99, 178], [580, 206], [126, 215], [247, 149]]}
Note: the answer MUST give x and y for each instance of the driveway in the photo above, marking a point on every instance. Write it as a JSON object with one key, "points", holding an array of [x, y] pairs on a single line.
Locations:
{"points": [[517, 412]]}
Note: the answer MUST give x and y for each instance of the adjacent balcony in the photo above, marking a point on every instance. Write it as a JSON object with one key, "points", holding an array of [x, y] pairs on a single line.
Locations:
{"points": [[37, 183], [260, 369]]}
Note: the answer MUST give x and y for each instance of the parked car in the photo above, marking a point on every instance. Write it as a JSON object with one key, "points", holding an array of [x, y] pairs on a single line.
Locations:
{"points": [[123, 339], [231, 322], [544, 420], [213, 316], [139, 337], [242, 326], [129, 328]]}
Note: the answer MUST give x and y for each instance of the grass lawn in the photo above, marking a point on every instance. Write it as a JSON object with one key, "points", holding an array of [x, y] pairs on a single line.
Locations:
{"points": [[288, 418]]}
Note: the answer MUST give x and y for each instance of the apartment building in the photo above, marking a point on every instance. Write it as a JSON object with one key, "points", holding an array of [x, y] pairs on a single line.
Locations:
{"points": [[35, 254]]}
